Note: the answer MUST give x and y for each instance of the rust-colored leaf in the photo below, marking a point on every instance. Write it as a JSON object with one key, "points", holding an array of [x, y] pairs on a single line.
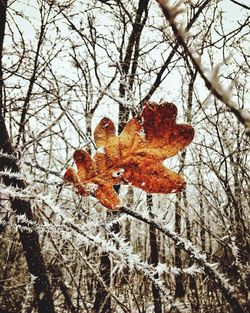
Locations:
{"points": [[86, 167], [152, 176], [165, 138], [135, 156]]}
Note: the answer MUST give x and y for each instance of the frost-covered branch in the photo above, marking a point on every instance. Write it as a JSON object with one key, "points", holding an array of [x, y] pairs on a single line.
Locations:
{"points": [[10, 174], [197, 255], [28, 293], [170, 13]]}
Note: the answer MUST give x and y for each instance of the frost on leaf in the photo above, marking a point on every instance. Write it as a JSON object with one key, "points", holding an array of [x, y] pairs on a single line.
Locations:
{"points": [[131, 157]]}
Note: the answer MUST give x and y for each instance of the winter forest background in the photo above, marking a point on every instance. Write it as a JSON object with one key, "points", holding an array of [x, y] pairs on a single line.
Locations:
{"points": [[63, 66]]}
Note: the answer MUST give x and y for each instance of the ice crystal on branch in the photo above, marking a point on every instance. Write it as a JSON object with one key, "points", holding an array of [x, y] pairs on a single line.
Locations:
{"points": [[132, 158]]}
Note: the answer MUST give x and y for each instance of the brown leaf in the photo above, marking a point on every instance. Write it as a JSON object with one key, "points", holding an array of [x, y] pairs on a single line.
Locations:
{"points": [[135, 156]]}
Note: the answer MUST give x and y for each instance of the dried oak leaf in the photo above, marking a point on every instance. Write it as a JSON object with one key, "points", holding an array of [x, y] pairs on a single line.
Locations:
{"points": [[135, 156]]}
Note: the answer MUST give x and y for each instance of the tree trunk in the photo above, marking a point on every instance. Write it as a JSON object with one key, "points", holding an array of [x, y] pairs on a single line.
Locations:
{"points": [[103, 300], [3, 7], [179, 289], [154, 258], [29, 238]]}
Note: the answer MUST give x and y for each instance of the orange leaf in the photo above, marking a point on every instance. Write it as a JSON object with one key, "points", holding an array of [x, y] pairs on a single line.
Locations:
{"points": [[130, 138], [135, 156], [153, 176], [104, 131], [107, 196]]}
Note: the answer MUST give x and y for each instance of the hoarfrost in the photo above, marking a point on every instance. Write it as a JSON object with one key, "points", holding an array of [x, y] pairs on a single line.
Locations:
{"points": [[192, 270]]}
